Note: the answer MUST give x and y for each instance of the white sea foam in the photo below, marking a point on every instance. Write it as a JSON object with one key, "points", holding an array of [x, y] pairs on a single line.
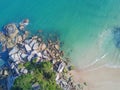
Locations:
{"points": [[101, 53]]}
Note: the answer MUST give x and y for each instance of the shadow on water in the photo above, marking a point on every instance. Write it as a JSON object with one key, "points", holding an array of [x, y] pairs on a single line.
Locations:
{"points": [[4, 56]]}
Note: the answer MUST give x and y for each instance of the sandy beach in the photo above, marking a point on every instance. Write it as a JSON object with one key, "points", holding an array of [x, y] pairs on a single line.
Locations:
{"points": [[100, 79]]}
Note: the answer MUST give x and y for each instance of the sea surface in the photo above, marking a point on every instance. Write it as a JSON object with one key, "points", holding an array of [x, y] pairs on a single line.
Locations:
{"points": [[84, 26]]}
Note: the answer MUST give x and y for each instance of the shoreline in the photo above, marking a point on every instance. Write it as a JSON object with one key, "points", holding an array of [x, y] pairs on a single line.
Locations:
{"points": [[26, 54], [22, 48], [103, 78]]}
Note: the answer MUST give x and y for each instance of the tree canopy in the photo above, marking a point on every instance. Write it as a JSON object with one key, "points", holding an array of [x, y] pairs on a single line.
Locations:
{"points": [[42, 73]]}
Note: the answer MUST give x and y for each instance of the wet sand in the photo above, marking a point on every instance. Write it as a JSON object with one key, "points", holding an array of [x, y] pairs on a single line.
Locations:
{"points": [[100, 79]]}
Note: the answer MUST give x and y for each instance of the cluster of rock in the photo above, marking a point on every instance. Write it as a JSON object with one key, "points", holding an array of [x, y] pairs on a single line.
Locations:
{"points": [[23, 49], [34, 48], [11, 35]]}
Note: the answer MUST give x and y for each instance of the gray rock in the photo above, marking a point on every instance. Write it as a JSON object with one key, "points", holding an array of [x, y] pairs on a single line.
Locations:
{"points": [[33, 52], [35, 46], [30, 57], [12, 65], [32, 43], [23, 55], [61, 67], [39, 54], [25, 22], [25, 71], [27, 47], [14, 50], [28, 41], [36, 86]]}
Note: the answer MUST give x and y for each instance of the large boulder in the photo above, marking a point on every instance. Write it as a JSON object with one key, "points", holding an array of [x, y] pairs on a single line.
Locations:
{"points": [[11, 30]]}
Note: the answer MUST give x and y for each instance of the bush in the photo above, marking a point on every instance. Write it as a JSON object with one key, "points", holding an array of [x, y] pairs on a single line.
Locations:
{"points": [[43, 74]]}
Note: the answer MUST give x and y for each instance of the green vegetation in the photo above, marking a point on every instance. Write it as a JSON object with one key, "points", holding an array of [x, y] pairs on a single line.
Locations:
{"points": [[42, 73]]}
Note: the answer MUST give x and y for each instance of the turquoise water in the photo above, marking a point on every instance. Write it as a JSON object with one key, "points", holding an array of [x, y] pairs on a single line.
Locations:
{"points": [[79, 22]]}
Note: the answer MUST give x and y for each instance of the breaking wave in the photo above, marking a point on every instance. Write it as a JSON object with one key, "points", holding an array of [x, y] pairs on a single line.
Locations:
{"points": [[108, 44]]}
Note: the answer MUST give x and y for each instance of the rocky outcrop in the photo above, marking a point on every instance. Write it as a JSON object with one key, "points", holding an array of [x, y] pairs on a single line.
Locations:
{"points": [[11, 30], [33, 49]]}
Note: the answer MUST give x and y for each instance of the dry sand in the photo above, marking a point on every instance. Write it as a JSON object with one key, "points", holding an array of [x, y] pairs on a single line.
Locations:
{"points": [[100, 79]]}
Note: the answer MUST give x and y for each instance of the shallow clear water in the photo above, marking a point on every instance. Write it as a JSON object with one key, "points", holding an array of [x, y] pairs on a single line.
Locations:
{"points": [[79, 22]]}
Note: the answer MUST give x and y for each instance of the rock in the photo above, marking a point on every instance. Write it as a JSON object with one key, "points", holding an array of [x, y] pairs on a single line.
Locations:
{"points": [[42, 46], [32, 43], [57, 47], [14, 50], [27, 47], [10, 44], [45, 57], [18, 62], [35, 46], [14, 57], [26, 22], [25, 71], [16, 70], [39, 54], [34, 37], [12, 65], [45, 52], [33, 52], [39, 39], [57, 54], [28, 41], [23, 55], [61, 67], [11, 30], [36, 86], [21, 27], [38, 59], [57, 76], [19, 39], [29, 58], [5, 72]]}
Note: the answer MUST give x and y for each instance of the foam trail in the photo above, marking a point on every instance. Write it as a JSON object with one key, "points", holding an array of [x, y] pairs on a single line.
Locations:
{"points": [[107, 49]]}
